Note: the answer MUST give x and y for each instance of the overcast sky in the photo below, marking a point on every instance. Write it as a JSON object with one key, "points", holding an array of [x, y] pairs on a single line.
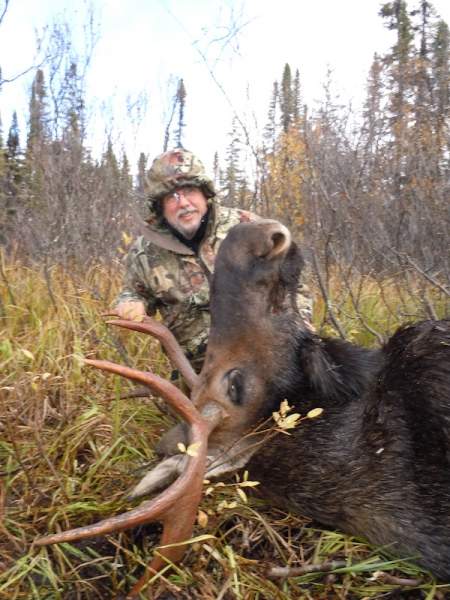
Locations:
{"points": [[145, 45]]}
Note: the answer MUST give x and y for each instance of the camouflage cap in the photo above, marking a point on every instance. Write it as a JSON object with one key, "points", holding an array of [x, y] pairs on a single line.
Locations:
{"points": [[175, 169]]}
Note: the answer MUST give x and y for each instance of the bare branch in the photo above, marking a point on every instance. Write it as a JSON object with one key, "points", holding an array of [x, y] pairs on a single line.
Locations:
{"points": [[2, 16], [325, 567], [424, 274]]}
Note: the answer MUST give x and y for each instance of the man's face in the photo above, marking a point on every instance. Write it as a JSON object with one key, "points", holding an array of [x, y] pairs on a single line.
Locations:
{"points": [[184, 209]]}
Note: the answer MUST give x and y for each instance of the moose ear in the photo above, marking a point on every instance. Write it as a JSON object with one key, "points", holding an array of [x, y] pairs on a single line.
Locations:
{"points": [[277, 241]]}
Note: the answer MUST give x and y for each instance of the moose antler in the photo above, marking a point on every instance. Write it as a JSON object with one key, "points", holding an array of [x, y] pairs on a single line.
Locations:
{"points": [[166, 339], [176, 507]]}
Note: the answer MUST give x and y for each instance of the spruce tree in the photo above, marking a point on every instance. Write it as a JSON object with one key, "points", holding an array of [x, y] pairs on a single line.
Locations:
{"points": [[287, 100], [181, 100], [38, 130], [271, 129], [13, 168], [441, 78], [141, 170], [297, 98]]}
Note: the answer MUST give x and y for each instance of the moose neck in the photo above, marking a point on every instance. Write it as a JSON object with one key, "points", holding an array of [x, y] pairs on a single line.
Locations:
{"points": [[335, 376]]}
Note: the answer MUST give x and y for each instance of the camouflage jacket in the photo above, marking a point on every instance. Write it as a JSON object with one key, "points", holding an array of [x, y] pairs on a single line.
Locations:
{"points": [[170, 278]]}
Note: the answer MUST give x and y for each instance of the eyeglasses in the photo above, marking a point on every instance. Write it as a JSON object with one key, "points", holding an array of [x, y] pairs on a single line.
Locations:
{"points": [[186, 192]]}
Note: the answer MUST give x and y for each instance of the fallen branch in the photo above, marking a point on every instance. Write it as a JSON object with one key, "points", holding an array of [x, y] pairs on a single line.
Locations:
{"points": [[325, 567]]}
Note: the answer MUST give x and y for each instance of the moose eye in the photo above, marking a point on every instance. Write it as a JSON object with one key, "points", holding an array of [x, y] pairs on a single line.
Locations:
{"points": [[235, 386]]}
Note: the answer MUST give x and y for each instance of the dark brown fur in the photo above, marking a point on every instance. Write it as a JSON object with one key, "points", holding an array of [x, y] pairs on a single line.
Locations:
{"points": [[377, 462]]}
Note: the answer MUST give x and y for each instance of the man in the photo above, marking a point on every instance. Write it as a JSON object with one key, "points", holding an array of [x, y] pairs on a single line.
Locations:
{"points": [[169, 267]]}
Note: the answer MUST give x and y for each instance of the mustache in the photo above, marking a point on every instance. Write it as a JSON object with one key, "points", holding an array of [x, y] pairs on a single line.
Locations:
{"points": [[186, 211]]}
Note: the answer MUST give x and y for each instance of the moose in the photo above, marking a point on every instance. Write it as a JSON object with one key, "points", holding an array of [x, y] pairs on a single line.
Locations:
{"points": [[376, 463]]}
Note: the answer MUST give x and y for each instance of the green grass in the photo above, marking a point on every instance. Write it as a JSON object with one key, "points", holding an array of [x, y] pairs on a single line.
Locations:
{"points": [[70, 449]]}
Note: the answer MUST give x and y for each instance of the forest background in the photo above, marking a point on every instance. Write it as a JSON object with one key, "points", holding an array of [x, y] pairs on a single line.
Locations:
{"points": [[367, 195], [366, 192]]}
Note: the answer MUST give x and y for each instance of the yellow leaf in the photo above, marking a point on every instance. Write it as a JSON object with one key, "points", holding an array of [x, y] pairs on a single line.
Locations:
{"points": [[285, 408], [181, 447], [202, 519], [225, 504], [126, 238], [249, 483], [192, 450], [242, 495], [289, 422], [27, 353], [315, 412]]}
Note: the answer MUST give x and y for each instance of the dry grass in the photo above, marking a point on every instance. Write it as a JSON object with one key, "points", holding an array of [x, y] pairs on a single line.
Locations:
{"points": [[70, 448]]}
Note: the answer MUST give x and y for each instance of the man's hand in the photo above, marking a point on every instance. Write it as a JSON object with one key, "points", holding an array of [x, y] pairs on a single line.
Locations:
{"points": [[133, 310]]}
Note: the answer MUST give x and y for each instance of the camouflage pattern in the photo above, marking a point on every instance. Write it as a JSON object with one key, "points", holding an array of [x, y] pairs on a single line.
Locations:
{"points": [[170, 279], [177, 168]]}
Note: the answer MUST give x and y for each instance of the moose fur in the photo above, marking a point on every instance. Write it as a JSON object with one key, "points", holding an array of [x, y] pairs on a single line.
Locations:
{"points": [[377, 462]]}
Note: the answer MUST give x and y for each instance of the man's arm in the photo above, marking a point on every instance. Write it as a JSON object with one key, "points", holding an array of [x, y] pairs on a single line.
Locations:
{"points": [[136, 299]]}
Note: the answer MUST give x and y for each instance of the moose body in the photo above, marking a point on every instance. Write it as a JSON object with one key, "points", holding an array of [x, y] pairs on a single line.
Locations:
{"points": [[376, 463]]}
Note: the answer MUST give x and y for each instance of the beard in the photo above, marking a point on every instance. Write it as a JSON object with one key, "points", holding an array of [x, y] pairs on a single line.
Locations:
{"points": [[187, 228]]}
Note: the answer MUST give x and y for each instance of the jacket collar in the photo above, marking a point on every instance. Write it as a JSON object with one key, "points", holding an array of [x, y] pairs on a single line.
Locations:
{"points": [[162, 237]]}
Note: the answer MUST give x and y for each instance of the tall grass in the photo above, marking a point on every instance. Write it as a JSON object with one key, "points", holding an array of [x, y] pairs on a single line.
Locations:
{"points": [[70, 448]]}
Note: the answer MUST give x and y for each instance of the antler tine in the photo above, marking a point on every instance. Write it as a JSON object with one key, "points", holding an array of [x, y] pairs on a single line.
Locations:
{"points": [[168, 341], [176, 507]]}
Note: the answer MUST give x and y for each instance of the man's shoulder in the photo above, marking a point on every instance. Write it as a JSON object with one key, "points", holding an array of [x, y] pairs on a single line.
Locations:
{"points": [[227, 217], [137, 245], [143, 249], [159, 241]]}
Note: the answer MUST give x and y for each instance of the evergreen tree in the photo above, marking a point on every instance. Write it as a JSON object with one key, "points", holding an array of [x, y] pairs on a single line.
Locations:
{"points": [[38, 130], [13, 141], [283, 152], [374, 124], [125, 176], [216, 170], [13, 168], [110, 163], [400, 65], [287, 99], [400, 58], [271, 130], [234, 187], [441, 79], [232, 170], [422, 75], [142, 168], [181, 100], [297, 97]]}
